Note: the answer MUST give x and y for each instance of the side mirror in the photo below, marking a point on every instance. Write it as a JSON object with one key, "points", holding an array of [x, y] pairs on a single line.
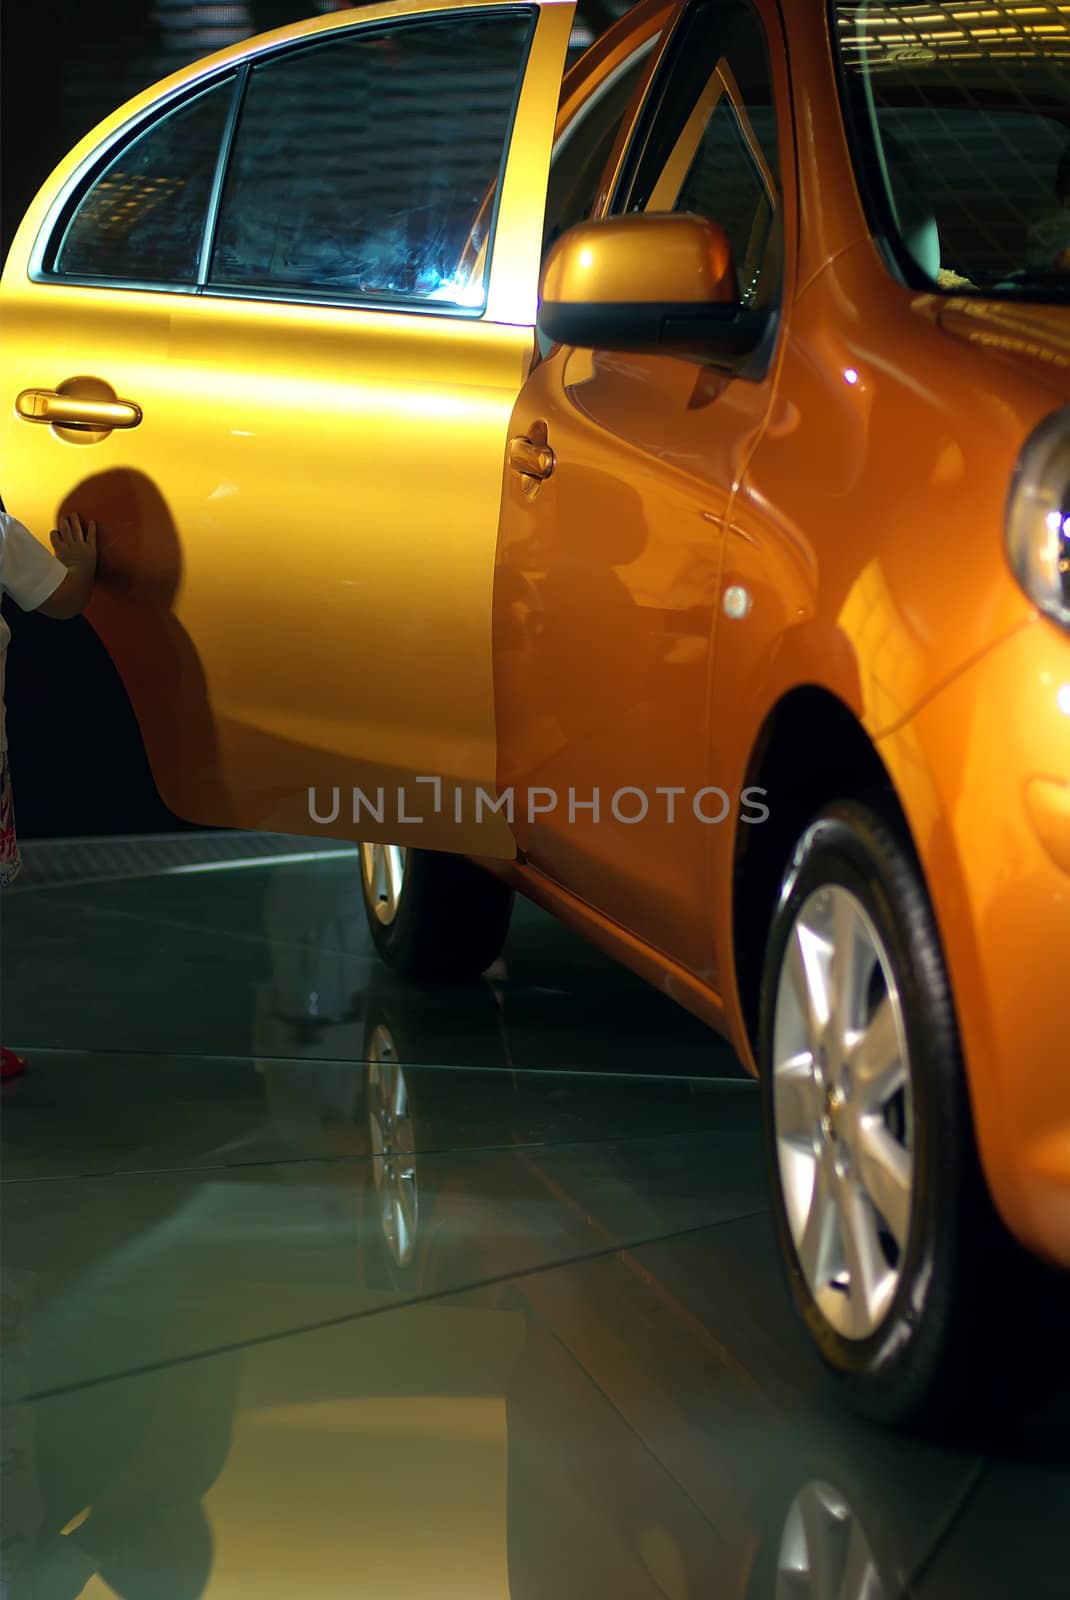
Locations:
{"points": [[648, 284]]}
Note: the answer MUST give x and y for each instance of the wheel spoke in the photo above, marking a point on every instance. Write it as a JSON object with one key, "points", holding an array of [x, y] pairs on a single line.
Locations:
{"points": [[381, 1054], [822, 1531], [797, 1099], [849, 969], [878, 1066], [886, 1170], [861, 1580], [808, 970], [393, 873], [380, 885], [399, 1097], [819, 1232], [867, 1269], [405, 1217]]}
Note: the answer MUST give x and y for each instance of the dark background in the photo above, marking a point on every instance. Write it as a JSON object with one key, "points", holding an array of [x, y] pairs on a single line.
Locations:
{"points": [[76, 758]]}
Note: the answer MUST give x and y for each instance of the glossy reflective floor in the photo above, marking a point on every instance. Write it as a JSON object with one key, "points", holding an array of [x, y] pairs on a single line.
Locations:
{"points": [[318, 1285]]}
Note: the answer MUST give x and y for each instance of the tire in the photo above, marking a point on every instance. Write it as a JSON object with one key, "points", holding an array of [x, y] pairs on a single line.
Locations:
{"points": [[891, 1290], [433, 917]]}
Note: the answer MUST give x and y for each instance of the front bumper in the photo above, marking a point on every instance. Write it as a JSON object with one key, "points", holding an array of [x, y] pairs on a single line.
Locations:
{"points": [[983, 770]]}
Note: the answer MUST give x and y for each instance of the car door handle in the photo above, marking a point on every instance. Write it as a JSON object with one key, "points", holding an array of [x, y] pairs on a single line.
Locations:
{"points": [[531, 460], [69, 411]]}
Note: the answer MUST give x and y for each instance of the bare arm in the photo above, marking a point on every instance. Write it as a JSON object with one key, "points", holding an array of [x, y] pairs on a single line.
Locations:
{"points": [[76, 547]]}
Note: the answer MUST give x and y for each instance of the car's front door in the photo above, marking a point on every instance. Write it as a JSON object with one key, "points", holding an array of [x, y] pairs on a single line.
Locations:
{"points": [[281, 276], [610, 570]]}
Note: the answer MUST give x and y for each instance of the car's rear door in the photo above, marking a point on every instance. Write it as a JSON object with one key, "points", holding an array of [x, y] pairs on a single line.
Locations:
{"points": [[248, 328]]}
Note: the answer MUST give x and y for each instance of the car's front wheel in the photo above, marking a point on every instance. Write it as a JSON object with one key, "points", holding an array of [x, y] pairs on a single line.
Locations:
{"points": [[433, 916], [880, 1211]]}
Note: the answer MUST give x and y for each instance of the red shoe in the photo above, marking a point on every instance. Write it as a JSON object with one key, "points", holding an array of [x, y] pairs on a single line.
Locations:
{"points": [[10, 1064]]}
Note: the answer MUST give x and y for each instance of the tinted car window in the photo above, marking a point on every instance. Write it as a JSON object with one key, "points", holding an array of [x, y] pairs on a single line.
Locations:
{"points": [[361, 165], [143, 218], [989, 179], [712, 145]]}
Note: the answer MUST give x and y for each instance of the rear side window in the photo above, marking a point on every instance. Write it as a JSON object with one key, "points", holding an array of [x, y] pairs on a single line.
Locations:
{"points": [[143, 218], [362, 166]]}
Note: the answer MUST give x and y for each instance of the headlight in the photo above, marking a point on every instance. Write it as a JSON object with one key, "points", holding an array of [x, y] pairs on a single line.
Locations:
{"points": [[1038, 517]]}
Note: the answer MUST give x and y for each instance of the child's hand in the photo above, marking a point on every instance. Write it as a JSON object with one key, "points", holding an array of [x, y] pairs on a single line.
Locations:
{"points": [[74, 545]]}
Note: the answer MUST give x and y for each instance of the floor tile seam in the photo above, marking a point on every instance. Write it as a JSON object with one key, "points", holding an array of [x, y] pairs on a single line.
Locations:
{"points": [[261, 861], [258, 939], [737, 1083], [27, 883], [263, 844], [79, 840], [435, 1154], [640, 1438], [350, 1318]]}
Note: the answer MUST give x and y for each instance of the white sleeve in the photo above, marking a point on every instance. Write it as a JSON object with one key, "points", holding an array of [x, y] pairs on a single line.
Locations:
{"points": [[28, 572]]}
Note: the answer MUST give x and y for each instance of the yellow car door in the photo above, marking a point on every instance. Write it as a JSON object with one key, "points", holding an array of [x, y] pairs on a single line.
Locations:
{"points": [[262, 326]]}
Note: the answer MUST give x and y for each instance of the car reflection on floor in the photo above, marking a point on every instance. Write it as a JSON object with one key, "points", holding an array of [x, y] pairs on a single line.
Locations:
{"points": [[359, 1322]]}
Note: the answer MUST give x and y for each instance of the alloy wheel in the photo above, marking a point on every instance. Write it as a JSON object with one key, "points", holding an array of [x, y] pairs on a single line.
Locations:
{"points": [[382, 868], [824, 1551], [843, 1110], [393, 1147]]}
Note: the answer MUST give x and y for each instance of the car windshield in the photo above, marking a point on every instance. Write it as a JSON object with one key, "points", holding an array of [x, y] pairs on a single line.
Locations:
{"points": [[959, 117]]}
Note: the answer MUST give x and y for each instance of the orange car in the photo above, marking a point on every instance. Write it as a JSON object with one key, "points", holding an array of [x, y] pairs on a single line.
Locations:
{"points": [[719, 601]]}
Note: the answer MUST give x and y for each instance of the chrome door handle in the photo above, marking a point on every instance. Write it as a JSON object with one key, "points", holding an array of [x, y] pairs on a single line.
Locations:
{"points": [[68, 411], [529, 459]]}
